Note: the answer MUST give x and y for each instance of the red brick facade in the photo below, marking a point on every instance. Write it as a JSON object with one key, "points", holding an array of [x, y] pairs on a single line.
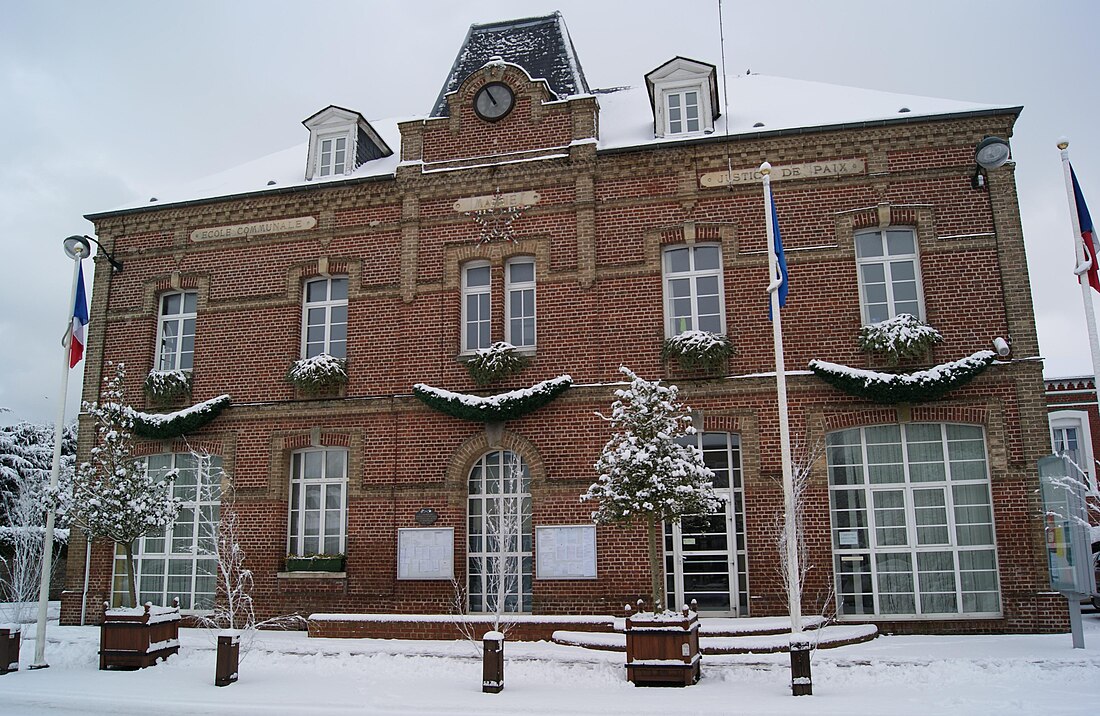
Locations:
{"points": [[596, 234]]}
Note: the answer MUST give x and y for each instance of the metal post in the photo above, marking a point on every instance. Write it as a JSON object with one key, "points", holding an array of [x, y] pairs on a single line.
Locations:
{"points": [[59, 429]]}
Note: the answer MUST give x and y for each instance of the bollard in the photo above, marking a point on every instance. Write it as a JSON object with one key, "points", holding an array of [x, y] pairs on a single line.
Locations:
{"points": [[229, 650], [9, 648], [492, 662], [801, 683]]}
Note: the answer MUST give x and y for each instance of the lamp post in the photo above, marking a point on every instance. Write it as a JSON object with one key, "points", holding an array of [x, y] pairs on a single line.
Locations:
{"points": [[77, 248]]}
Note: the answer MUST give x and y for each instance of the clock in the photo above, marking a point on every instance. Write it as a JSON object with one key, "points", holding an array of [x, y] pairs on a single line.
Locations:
{"points": [[494, 101]]}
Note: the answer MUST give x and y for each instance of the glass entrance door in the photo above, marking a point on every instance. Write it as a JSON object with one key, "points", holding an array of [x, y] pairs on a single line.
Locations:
{"points": [[705, 556]]}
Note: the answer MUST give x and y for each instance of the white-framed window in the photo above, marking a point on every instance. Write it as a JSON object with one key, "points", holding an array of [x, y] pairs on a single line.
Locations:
{"points": [[180, 561], [318, 502], [519, 291], [500, 534], [332, 155], [325, 317], [889, 274], [912, 522], [1070, 434], [476, 304], [694, 295], [176, 330], [683, 110]]}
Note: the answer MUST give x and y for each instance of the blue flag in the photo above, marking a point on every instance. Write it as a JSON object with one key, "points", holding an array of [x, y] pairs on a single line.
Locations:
{"points": [[782, 260]]}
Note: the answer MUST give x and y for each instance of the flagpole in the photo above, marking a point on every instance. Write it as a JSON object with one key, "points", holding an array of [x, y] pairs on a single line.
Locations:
{"points": [[76, 251], [794, 596], [1079, 250]]}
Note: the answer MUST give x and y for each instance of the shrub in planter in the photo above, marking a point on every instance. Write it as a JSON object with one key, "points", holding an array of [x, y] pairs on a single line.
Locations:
{"points": [[319, 374], [903, 337], [498, 361], [166, 387], [315, 563], [698, 350]]}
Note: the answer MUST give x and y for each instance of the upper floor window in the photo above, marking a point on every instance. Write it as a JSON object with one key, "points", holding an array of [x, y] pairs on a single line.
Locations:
{"points": [[912, 521], [1069, 434], [889, 274], [476, 303], [682, 111], [332, 156], [176, 331], [325, 317], [318, 502], [519, 289], [694, 298]]}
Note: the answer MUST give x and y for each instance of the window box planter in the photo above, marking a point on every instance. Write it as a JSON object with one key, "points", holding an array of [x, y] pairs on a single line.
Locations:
{"points": [[497, 362], [663, 649], [698, 352], [167, 387], [137, 637], [315, 563], [319, 376]]}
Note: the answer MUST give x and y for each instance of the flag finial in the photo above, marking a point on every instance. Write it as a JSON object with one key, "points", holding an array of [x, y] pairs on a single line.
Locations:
{"points": [[1063, 143], [766, 168]]}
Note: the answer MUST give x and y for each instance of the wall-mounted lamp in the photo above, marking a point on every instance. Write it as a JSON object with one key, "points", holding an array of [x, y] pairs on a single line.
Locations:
{"points": [[990, 153], [116, 265]]}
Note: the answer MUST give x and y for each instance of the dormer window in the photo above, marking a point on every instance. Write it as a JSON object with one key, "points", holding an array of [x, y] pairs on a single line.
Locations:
{"points": [[340, 140], [684, 97]]}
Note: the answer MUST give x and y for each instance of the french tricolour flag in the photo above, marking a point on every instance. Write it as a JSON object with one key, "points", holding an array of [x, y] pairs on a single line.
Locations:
{"points": [[80, 320], [1088, 238]]}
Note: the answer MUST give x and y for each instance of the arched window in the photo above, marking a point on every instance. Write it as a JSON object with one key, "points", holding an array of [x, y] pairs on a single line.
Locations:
{"points": [[912, 521], [176, 331], [476, 301], [318, 502], [500, 537]]}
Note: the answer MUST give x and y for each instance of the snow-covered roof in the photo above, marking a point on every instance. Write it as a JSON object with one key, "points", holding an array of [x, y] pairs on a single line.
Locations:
{"points": [[759, 104]]}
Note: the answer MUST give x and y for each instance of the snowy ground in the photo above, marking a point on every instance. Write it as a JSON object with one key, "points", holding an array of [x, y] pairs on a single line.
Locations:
{"points": [[287, 673]]}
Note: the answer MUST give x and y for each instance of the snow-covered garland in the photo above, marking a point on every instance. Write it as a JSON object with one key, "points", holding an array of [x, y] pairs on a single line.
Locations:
{"points": [[318, 374], [902, 337], [171, 425], [493, 408], [499, 360], [165, 387], [918, 387], [698, 350]]}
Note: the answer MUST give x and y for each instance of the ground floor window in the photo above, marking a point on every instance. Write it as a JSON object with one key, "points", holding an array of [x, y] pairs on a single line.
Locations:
{"points": [[705, 557], [500, 534], [179, 561], [912, 521]]}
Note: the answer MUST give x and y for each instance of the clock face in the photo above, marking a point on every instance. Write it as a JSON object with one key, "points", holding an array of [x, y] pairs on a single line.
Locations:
{"points": [[494, 101]]}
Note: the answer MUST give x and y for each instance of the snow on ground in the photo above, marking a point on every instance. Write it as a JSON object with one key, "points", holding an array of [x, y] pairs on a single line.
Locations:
{"points": [[287, 673]]}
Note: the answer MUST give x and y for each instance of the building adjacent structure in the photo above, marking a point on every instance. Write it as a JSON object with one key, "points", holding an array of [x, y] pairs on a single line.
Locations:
{"points": [[585, 227]]}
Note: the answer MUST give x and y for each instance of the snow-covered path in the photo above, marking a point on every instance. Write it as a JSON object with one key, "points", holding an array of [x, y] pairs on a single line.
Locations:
{"points": [[286, 673]]}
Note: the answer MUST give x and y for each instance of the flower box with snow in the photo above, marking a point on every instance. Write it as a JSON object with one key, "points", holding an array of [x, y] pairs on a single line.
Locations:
{"points": [[319, 375], [901, 338], [315, 563], [698, 351], [167, 387], [136, 637], [498, 361], [663, 648]]}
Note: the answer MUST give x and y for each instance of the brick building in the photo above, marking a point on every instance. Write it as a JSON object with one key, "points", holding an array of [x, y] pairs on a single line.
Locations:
{"points": [[584, 227]]}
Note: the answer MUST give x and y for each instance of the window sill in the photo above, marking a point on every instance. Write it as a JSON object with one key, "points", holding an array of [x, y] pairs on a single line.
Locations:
{"points": [[467, 356], [311, 575]]}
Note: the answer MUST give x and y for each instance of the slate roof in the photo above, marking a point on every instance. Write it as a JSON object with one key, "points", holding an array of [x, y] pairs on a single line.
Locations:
{"points": [[540, 45]]}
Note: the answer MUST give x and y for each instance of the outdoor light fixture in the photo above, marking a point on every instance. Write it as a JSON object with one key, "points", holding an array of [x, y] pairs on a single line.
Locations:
{"points": [[990, 153], [116, 265], [77, 247]]}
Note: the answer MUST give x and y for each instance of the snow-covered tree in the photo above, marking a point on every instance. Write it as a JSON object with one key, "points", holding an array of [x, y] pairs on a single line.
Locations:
{"points": [[26, 458], [113, 495], [645, 473]]}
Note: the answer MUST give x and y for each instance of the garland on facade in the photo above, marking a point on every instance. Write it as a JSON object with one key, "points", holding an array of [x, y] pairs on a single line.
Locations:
{"points": [[171, 425], [493, 408], [918, 387]]}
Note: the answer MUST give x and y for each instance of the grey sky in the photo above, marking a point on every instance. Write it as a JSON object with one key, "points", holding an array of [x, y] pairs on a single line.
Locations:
{"points": [[104, 102]]}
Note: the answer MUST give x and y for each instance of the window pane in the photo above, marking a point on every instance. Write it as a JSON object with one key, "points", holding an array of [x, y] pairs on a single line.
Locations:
{"points": [[339, 289], [477, 276], [677, 260], [868, 245], [707, 257], [316, 291], [899, 243], [519, 272]]}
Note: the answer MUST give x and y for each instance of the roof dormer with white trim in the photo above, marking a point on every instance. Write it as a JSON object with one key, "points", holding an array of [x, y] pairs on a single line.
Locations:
{"points": [[684, 96], [340, 140]]}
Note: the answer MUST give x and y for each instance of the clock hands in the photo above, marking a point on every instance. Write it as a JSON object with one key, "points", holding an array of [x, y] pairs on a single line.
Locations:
{"points": [[489, 94]]}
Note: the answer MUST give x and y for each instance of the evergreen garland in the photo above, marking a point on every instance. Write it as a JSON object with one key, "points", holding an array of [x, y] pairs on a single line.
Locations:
{"points": [[499, 360], [493, 408], [918, 387], [181, 422], [698, 350], [165, 387]]}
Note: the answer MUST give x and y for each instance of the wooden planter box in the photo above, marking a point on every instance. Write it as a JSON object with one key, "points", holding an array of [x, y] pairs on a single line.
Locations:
{"points": [[315, 564], [662, 651], [139, 637]]}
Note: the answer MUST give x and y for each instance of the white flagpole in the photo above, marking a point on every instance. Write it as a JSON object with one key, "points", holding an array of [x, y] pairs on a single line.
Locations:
{"points": [[1079, 249], [55, 470], [794, 588]]}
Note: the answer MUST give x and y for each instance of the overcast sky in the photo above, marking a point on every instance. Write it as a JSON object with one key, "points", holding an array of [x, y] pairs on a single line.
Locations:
{"points": [[106, 102]]}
